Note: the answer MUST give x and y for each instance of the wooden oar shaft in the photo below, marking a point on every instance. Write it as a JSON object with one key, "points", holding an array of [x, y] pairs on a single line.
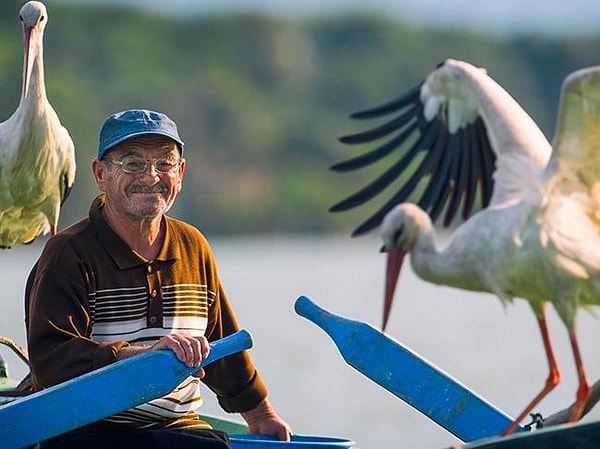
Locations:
{"points": [[102, 393], [408, 376]]}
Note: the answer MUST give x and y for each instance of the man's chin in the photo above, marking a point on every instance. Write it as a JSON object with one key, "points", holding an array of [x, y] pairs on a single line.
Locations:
{"points": [[142, 210]]}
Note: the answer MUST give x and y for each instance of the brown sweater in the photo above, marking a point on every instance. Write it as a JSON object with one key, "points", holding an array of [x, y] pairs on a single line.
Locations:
{"points": [[88, 290]]}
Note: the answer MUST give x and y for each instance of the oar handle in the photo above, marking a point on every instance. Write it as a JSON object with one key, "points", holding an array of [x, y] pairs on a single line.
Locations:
{"points": [[326, 320], [231, 344]]}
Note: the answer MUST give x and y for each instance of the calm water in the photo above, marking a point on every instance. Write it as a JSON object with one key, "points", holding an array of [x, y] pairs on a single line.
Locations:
{"points": [[496, 352]]}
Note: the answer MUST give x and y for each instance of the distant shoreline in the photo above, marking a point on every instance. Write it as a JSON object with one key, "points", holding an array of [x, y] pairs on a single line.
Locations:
{"points": [[500, 19]]}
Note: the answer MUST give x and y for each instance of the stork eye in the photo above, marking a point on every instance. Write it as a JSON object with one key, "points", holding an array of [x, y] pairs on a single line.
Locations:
{"points": [[398, 233]]}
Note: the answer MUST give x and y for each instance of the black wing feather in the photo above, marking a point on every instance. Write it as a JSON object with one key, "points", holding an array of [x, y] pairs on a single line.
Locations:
{"points": [[439, 184], [428, 164], [488, 163], [458, 164], [458, 173], [64, 187], [474, 174], [412, 96], [391, 174], [379, 152], [382, 130]]}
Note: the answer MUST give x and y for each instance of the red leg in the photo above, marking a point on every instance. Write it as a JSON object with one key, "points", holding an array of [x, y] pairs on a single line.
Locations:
{"points": [[583, 392], [553, 375]]}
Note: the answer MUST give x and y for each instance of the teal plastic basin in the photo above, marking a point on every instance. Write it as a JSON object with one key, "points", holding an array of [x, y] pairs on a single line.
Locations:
{"points": [[251, 441]]}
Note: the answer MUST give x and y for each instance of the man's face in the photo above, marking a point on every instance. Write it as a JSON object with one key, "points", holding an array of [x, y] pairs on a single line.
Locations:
{"points": [[144, 193]]}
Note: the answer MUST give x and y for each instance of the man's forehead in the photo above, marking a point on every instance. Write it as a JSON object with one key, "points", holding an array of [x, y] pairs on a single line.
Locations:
{"points": [[147, 144]]}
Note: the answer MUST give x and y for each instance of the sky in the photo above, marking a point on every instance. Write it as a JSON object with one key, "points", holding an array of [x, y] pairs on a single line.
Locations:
{"points": [[499, 17]]}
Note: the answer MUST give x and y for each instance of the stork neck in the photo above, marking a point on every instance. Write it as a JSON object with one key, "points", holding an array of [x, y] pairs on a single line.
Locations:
{"points": [[37, 89], [447, 265], [423, 257]]}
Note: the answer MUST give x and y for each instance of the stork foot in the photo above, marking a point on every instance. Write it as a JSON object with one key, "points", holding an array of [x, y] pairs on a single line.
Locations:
{"points": [[583, 393]]}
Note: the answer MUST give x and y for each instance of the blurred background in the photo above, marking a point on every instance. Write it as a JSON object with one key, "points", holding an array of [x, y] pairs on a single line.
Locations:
{"points": [[261, 90]]}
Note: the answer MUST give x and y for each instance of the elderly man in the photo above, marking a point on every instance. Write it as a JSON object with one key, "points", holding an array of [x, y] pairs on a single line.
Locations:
{"points": [[128, 279]]}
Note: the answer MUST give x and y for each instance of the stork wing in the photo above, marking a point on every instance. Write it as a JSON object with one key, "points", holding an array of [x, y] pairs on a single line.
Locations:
{"points": [[577, 136], [458, 137], [67, 177]]}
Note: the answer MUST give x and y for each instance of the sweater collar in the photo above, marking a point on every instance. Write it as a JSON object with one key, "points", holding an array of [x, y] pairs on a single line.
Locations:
{"points": [[123, 256]]}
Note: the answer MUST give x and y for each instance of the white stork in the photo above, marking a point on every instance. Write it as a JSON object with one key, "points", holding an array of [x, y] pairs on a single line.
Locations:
{"points": [[37, 158], [462, 139]]}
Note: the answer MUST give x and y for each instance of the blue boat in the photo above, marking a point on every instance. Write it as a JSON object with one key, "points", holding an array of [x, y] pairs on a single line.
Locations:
{"points": [[123, 384], [385, 361]]}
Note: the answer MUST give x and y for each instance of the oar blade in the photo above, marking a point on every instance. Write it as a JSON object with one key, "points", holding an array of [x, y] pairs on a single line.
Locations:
{"points": [[409, 376]]}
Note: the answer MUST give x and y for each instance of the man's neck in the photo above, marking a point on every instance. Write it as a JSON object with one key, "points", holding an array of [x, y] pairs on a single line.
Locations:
{"points": [[144, 236]]}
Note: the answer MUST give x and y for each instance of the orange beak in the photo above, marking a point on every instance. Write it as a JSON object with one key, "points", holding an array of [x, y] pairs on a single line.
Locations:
{"points": [[395, 258]]}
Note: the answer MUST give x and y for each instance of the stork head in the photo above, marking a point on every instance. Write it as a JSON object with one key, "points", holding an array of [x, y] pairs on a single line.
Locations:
{"points": [[400, 230], [33, 17]]}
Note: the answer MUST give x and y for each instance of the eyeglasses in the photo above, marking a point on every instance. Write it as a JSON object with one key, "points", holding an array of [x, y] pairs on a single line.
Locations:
{"points": [[136, 165]]}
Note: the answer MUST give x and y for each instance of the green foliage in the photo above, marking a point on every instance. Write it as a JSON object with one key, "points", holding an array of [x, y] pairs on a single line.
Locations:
{"points": [[260, 102]]}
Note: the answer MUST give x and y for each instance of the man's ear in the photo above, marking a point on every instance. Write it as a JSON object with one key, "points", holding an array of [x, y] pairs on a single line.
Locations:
{"points": [[99, 173]]}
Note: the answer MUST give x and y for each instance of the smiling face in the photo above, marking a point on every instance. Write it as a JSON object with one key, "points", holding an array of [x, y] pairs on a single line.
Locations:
{"points": [[145, 195]]}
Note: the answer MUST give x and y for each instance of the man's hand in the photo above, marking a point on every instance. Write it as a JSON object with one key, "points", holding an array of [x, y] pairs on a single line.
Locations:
{"points": [[190, 350], [263, 420]]}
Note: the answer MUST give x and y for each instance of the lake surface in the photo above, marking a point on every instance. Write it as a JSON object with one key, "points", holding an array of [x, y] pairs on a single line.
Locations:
{"points": [[496, 352]]}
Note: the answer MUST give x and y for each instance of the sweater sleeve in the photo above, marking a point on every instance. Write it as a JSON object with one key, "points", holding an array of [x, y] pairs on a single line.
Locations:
{"points": [[58, 329], [234, 379]]}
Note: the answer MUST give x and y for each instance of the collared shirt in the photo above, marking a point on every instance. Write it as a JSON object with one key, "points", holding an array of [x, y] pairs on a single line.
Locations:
{"points": [[89, 295]]}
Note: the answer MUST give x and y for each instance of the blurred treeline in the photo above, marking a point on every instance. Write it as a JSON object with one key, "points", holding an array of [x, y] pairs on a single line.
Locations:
{"points": [[259, 101]]}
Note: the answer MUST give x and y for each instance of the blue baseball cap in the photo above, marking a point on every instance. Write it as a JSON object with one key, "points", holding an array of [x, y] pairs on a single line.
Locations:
{"points": [[135, 122]]}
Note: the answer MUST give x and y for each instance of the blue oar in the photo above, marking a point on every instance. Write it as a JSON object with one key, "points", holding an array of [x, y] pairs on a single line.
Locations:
{"points": [[102, 393], [407, 375]]}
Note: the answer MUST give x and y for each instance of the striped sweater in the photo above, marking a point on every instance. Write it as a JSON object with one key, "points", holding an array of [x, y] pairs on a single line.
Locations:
{"points": [[89, 295]]}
